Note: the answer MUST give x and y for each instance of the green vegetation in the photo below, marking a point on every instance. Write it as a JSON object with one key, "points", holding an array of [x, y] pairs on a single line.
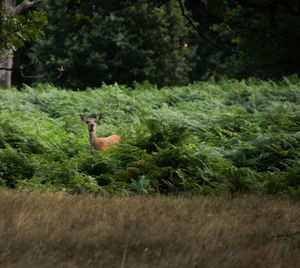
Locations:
{"points": [[168, 42], [122, 43], [15, 29], [208, 137], [256, 38]]}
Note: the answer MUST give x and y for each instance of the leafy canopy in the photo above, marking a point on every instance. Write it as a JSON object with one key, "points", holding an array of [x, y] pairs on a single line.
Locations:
{"points": [[16, 29]]}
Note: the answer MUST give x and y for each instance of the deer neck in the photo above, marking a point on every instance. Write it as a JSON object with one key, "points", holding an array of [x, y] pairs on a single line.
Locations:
{"points": [[93, 138]]}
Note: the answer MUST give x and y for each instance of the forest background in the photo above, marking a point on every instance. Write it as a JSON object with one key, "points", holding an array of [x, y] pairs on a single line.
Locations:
{"points": [[165, 42]]}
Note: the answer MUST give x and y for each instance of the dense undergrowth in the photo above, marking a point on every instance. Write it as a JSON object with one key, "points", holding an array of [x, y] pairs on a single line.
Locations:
{"points": [[208, 137]]}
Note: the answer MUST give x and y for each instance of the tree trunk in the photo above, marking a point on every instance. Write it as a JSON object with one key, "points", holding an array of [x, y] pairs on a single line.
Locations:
{"points": [[6, 65], [7, 55]]}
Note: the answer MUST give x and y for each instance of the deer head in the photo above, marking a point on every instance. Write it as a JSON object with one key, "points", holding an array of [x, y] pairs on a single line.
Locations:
{"points": [[91, 122]]}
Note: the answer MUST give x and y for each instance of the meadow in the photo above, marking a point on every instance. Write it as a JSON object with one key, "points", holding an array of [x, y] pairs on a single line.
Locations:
{"points": [[62, 230], [211, 138]]}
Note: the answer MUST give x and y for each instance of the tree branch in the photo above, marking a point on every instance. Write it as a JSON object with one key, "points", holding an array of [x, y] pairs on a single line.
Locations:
{"points": [[231, 26], [213, 44], [22, 7], [41, 76]]}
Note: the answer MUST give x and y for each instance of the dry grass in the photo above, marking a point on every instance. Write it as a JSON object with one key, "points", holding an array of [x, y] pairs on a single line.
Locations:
{"points": [[60, 230]]}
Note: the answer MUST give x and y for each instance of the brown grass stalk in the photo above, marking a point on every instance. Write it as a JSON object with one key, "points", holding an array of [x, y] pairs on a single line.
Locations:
{"points": [[60, 230]]}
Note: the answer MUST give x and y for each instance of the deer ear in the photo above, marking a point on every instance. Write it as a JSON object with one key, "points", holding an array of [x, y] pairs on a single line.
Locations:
{"points": [[99, 116], [83, 118]]}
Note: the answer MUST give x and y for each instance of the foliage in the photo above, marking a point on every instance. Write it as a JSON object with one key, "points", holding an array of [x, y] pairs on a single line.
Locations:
{"points": [[206, 137], [123, 41], [241, 38], [110, 41], [16, 29], [255, 38]]}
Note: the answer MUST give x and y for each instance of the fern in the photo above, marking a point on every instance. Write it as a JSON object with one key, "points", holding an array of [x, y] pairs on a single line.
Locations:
{"points": [[206, 137]]}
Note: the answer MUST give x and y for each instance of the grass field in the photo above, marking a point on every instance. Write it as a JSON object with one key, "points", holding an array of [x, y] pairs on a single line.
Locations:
{"points": [[62, 230]]}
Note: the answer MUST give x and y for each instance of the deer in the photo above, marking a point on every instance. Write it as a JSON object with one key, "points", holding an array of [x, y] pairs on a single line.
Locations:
{"points": [[100, 144]]}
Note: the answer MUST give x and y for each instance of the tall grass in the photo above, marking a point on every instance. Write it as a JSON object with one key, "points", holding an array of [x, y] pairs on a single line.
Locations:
{"points": [[208, 137], [60, 230]]}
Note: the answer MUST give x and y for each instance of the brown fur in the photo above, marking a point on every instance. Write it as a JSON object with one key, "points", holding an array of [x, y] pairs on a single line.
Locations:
{"points": [[99, 143]]}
